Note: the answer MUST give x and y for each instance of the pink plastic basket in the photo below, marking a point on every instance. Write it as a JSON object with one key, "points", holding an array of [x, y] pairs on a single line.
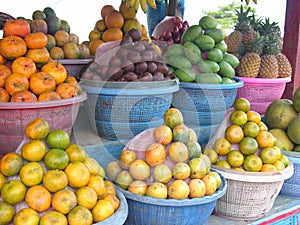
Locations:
{"points": [[261, 92], [61, 114]]}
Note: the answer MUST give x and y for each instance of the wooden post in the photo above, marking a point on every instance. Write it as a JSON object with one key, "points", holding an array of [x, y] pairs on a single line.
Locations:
{"points": [[291, 46]]}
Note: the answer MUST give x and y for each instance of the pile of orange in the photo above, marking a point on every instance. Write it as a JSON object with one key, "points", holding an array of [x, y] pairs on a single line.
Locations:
{"points": [[49, 180], [27, 72], [113, 25], [247, 144], [170, 167]]}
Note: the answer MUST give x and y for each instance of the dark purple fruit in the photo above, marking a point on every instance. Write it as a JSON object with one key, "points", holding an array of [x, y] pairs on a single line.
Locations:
{"points": [[135, 56], [162, 67], [139, 46], [127, 65], [122, 52], [135, 34], [102, 70], [115, 60], [151, 67], [141, 67], [147, 55], [158, 76], [146, 77], [115, 72], [130, 76], [127, 39]]}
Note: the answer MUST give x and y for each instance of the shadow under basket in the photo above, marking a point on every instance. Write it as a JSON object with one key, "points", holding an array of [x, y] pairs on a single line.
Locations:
{"points": [[60, 114], [291, 186]]}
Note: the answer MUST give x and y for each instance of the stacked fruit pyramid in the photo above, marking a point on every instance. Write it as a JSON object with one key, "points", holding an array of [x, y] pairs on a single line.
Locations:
{"points": [[48, 180], [163, 173], [258, 45], [245, 152]]}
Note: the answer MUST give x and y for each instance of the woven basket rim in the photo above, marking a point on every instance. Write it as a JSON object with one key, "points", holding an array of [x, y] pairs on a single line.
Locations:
{"points": [[265, 80], [256, 177], [45, 104], [178, 203], [75, 61]]}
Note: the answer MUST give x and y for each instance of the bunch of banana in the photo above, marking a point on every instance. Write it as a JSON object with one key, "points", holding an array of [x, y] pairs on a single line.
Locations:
{"points": [[141, 3]]}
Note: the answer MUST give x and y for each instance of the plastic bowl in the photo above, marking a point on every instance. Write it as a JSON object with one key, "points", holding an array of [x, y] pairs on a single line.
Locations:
{"points": [[61, 114], [75, 67]]}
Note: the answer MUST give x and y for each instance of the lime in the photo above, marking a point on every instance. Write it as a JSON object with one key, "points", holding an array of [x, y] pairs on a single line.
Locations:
{"points": [[59, 139]]}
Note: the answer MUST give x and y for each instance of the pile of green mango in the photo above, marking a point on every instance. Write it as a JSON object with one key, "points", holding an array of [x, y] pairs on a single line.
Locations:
{"points": [[202, 56]]}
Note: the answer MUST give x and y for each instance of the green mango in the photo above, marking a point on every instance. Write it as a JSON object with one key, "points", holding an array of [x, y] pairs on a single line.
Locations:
{"points": [[231, 59], [208, 66], [179, 61], [192, 52], [204, 42], [217, 34], [226, 70], [185, 75], [175, 49], [191, 33], [215, 54], [208, 78], [282, 139]]}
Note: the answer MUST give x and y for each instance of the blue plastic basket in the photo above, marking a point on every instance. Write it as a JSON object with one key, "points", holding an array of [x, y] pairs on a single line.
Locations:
{"points": [[291, 186], [198, 97], [124, 131], [202, 118], [146, 210], [204, 132]]}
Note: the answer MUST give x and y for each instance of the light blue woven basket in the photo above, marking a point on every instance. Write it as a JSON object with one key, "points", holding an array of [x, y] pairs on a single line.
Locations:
{"points": [[202, 118], [291, 186]]}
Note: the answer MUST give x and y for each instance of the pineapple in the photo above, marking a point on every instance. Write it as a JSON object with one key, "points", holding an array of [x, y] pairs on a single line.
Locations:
{"points": [[284, 66], [235, 39], [250, 62]]}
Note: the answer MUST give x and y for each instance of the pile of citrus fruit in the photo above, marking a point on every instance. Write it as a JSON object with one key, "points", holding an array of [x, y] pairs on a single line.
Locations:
{"points": [[246, 143], [170, 167], [48, 180]]}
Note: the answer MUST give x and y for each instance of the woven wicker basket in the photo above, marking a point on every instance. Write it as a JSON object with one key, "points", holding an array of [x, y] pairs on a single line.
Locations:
{"points": [[250, 195]]}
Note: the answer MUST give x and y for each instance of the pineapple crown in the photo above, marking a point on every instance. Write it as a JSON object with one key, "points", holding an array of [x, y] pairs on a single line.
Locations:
{"points": [[271, 45], [257, 43], [267, 28], [244, 21]]}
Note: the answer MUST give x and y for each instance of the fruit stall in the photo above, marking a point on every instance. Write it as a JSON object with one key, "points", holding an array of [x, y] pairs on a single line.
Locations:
{"points": [[173, 123]]}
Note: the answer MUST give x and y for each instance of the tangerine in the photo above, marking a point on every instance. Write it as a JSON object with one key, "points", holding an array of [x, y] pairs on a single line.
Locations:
{"points": [[248, 146], [31, 173], [265, 139], [64, 201], [235, 158], [222, 146], [113, 199], [173, 117], [268, 155], [7, 212], [254, 116], [163, 135], [234, 133], [242, 104], [58, 139], [86, 197], [268, 168], [26, 216], [56, 159], [97, 183], [155, 154], [102, 210], [33, 150], [53, 217], [78, 174], [252, 163], [80, 215], [13, 192], [238, 117], [55, 180], [251, 129], [37, 129], [138, 187], [178, 152], [11, 164], [38, 198]]}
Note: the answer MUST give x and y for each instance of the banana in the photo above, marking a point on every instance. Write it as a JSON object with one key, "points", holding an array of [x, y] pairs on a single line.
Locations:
{"points": [[136, 5], [152, 3], [144, 6]]}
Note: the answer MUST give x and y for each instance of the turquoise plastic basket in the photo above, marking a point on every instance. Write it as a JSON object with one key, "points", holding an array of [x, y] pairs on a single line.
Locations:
{"points": [[291, 186]]}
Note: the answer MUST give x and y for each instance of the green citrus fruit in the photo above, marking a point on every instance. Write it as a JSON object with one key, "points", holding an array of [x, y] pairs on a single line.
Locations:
{"points": [[59, 139]]}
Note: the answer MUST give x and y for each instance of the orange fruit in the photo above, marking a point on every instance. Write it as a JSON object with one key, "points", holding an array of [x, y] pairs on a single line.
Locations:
{"points": [[11, 164], [194, 149], [33, 150], [173, 117], [53, 217], [26, 216], [124, 179], [181, 133], [248, 146], [102, 210], [78, 174], [268, 155], [37, 129], [59, 139], [112, 34], [138, 187], [222, 146], [76, 153], [178, 152], [278, 151], [31, 173], [178, 189], [38, 198], [235, 158], [234, 133], [162, 173], [197, 188], [64, 201], [139, 169], [268, 168], [181, 171], [254, 116], [279, 165], [157, 190], [242, 104], [114, 20], [238, 117], [100, 25], [94, 35], [4, 96], [97, 183], [94, 167], [210, 184], [16, 82], [80, 215], [56, 159], [223, 163], [126, 157], [265, 139], [284, 159], [252, 163], [113, 199], [7, 212], [13, 192], [212, 155], [163, 135], [93, 46], [155, 154], [112, 169], [55, 180], [61, 37], [251, 129], [110, 188], [86, 196], [2, 180], [262, 126]]}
